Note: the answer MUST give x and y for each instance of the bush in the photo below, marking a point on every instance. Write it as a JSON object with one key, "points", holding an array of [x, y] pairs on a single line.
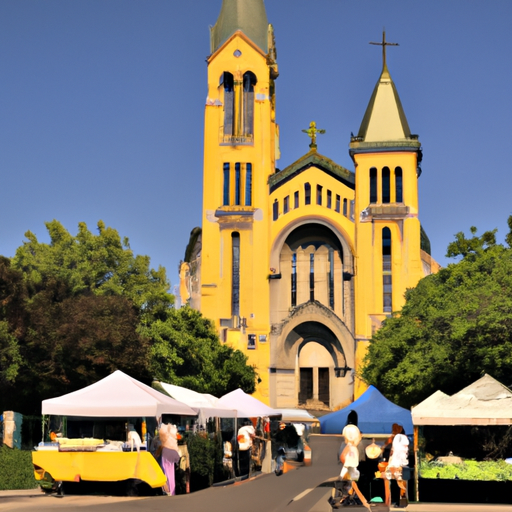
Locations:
{"points": [[205, 454], [16, 469], [497, 470]]}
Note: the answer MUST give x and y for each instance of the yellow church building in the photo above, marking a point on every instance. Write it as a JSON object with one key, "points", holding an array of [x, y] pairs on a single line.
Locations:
{"points": [[298, 267]]}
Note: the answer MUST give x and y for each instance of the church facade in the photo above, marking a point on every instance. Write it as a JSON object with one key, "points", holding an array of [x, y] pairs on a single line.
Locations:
{"points": [[299, 267]]}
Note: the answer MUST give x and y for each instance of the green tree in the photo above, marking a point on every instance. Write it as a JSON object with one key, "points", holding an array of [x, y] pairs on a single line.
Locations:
{"points": [[12, 297], [103, 264], [186, 351], [76, 309], [455, 326]]}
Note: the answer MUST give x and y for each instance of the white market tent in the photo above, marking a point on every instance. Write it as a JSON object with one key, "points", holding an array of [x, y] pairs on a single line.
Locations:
{"points": [[245, 405], [485, 402], [203, 403], [117, 395], [297, 416]]}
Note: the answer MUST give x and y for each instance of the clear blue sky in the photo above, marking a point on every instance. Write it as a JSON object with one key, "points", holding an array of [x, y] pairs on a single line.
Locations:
{"points": [[102, 102]]}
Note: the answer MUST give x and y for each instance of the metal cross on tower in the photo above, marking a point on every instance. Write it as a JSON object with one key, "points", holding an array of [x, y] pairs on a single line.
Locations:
{"points": [[312, 131], [384, 43]]}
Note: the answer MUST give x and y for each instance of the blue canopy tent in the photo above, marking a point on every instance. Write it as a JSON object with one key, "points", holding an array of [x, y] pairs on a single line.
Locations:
{"points": [[375, 415]]}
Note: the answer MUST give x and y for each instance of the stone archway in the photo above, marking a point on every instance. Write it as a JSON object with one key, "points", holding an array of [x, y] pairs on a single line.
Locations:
{"points": [[309, 361]]}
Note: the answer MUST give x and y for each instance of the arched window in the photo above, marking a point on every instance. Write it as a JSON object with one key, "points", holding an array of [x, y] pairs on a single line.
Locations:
{"points": [[319, 194], [248, 103], [345, 209], [386, 189], [398, 185], [275, 210], [312, 276], [373, 185], [386, 270], [294, 280], [229, 102], [235, 274], [248, 184], [307, 193], [226, 192], [237, 184]]}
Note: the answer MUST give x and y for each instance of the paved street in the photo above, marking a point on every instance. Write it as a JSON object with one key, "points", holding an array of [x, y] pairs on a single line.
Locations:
{"points": [[305, 489]]}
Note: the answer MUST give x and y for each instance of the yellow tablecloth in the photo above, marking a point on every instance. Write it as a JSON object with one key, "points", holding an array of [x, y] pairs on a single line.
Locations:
{"points": [[98, 466]]}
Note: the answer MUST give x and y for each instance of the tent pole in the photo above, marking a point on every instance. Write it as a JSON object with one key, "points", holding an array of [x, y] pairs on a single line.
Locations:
{"points": [[416, 464], [236, 444]]}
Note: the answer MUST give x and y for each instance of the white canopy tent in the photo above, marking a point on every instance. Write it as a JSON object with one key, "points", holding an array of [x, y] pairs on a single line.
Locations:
{"points": [[485, 402], [297, 416], [246, 405], [205, 404], [117, 395]]}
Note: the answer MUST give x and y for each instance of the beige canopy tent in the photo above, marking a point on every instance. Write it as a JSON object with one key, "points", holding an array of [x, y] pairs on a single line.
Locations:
{"points": [[485, 402], [117, 395]]}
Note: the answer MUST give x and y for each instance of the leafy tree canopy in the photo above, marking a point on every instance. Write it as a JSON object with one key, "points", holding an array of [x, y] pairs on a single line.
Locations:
{"points": [[186, 351], [103, 264], [76, 309], [455, 326]]}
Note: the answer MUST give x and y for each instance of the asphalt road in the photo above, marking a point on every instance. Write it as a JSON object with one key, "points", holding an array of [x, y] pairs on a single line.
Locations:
{"points": [[305, 489]]}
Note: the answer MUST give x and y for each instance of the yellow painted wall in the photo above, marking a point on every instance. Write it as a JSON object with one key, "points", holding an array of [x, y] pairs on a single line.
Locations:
{"points": [[216, 266]]}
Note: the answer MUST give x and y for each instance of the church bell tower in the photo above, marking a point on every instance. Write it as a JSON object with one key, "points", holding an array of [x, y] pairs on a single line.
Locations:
{"points": [[387, 160], [240, 149]]}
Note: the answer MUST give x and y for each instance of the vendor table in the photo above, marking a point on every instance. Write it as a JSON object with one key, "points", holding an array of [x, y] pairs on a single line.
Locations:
{"points": [[98, 466]]}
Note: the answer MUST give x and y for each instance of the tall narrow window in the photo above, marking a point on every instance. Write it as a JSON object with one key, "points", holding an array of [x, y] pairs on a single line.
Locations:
{"points": [[237, 183], [235, 274], [226, 194], [398, 185], [331, 278], [338, 203], [386, 271], [386, 188], [294, 280], [296, 199], [275, 210], [329, 199], [229, 102], [248, 103], [312, 276], [345, 208], [286, 206], [248, 184], [373, 185], [307, 193], [319, 194]]}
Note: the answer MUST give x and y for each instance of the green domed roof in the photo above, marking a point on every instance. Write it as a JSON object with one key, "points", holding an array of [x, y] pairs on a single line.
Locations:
{"points": [[249, 16]]}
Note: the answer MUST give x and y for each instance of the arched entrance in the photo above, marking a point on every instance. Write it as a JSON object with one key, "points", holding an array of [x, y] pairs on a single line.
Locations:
{"points": [[315, 369], [313, 354]]}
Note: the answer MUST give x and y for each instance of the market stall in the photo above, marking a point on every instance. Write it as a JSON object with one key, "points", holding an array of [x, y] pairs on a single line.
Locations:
{"points": [[448, 423], [374, 412], [103, 435]]}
